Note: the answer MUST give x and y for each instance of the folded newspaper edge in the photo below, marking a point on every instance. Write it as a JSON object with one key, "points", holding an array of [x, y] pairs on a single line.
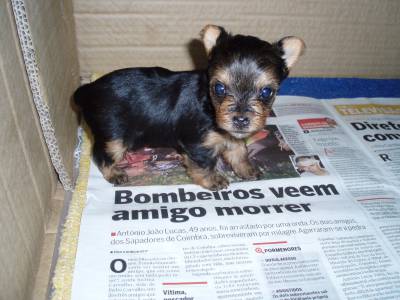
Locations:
{"points": [[61, 282]]}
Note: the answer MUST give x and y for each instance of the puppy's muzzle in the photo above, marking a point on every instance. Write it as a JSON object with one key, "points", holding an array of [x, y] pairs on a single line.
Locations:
{"points": [[240, 122]]}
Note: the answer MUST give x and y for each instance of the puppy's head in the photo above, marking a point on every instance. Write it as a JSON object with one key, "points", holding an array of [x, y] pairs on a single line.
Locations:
{"points": [[244, 75]]}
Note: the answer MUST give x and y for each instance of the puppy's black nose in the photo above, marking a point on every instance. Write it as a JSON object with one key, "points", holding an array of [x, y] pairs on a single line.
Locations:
{"points": [[240, 122]]}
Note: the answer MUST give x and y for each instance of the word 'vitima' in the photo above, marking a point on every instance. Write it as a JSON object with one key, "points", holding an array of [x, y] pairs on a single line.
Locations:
{"points": [[378, 126]]}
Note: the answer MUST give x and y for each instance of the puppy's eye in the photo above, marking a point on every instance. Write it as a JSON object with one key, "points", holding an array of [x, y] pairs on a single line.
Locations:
{"points": [[219, 89], [266, 93]]}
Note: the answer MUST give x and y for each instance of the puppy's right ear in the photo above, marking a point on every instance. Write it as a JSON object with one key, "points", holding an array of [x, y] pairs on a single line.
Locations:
{"points": [[210, 35], [291, 48]]}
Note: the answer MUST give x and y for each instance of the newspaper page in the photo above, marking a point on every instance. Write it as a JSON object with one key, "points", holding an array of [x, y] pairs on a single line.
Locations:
{"points": [[376, 124], [323, 222]]}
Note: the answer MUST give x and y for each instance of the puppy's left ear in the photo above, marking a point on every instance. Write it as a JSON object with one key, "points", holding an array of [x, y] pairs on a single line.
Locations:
{"points": [[210, 35], [291, 48]]}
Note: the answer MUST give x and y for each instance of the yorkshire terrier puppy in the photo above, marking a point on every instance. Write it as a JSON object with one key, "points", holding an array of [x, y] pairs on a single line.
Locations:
{"points": [[202, 114]]}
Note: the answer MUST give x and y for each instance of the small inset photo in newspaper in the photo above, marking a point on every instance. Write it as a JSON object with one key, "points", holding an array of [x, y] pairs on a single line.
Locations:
{"points": [[317, 124], [309, 165], [267, 150], [154, 166]]}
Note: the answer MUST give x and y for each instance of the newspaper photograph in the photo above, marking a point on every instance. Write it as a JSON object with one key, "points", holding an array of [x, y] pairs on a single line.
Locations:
{"points": [[323, 221]]}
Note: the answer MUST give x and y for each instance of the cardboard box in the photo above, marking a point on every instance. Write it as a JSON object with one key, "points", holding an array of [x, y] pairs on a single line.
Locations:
{"points": [[357, 38], [344, 38]]}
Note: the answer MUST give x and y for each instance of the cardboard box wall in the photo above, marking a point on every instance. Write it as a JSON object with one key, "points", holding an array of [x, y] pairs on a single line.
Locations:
{"points": [[344, 38], [27, 178]]}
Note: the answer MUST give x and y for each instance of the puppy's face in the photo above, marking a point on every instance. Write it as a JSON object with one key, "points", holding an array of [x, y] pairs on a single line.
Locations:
{"points": [[244, 75]]}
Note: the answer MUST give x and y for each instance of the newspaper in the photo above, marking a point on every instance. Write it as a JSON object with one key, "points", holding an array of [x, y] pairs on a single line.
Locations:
{"points": [[322, 223]]}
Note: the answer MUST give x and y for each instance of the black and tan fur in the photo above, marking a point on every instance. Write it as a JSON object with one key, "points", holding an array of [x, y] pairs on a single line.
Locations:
{"points": [[131, 108]]}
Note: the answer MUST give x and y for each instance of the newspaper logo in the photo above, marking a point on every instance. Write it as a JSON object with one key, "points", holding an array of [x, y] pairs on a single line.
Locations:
{"points": [[368, 109]]}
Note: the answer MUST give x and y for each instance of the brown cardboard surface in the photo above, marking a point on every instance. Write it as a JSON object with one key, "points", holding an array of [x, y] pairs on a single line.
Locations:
{"points": [[53, 35], [16, 271], [22, 126], [42, 277], [344, 38], [26, 178]]}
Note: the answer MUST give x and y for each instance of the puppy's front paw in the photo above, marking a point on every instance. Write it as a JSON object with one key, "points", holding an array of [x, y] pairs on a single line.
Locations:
{"points": [[217, 182], [212, 181], [118, 177], [247, 171]]}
